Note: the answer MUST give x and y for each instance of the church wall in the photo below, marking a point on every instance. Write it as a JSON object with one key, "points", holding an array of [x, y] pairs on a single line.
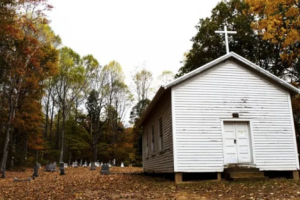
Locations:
{"points": [[161, 159], [199, 105]]}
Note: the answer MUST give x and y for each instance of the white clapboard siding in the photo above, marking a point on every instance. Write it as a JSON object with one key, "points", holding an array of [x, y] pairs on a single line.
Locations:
{"points": [[199, 105], [159, 161]]}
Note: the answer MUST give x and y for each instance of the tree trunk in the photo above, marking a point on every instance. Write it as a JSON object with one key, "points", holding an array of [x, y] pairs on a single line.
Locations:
{"points": [[62, 134], [95, 152], [13, 147], [5, 146], [2, 111], [47, 114], [94, 156], [76, 106], [51, 122], [70, 158], [57, 130], [25, 149]]}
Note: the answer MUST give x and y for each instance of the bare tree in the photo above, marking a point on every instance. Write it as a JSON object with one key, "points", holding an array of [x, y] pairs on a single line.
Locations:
{"points": [[142, 81], [166, 77], [69, 83]]}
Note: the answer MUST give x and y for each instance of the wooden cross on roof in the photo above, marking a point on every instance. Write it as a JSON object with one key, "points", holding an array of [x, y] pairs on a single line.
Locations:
{"points": [[226, 36]]}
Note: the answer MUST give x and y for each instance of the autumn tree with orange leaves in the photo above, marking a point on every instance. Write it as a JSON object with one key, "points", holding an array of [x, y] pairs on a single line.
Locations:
{"points": [[28, 57], [279, 22], [42, 90]]}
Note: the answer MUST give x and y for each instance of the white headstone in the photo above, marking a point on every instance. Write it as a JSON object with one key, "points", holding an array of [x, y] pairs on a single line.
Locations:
{"points": [[122, 164], [76, 164]]}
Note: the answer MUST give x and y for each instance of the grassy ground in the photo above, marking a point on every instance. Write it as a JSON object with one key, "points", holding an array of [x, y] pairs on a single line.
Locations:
{"points": [[81, 183]]}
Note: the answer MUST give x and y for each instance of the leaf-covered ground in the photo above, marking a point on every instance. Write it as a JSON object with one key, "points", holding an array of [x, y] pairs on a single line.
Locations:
{"points": [[81, 183]]}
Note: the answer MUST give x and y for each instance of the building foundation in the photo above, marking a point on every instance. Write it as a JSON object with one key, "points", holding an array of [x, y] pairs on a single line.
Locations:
{"points": [[178, 177], [296, 175]]}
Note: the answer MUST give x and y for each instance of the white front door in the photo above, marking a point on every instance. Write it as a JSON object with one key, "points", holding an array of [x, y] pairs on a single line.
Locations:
{"points": [[237, 142]]}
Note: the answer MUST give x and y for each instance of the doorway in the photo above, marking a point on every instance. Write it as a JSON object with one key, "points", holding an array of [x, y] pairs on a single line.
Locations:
{"points": [[237, 148]]}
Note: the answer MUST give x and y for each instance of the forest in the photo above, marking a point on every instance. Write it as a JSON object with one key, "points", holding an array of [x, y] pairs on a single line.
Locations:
{"points": [[57, 105]]}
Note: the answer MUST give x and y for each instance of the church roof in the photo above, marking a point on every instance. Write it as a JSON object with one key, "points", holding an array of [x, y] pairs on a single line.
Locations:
{"points": [[239, 58], [209, 65]]}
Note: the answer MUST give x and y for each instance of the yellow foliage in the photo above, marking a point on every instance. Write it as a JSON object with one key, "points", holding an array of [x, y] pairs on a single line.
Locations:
{"points": [[279, 22]]}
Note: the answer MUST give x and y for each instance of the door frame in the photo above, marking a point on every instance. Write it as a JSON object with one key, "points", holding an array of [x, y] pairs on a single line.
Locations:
{"points": [[251, 142]]}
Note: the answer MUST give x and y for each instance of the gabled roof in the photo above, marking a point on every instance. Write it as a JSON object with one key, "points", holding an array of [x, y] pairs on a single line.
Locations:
{"points": [[211, 64], [240, 58]]}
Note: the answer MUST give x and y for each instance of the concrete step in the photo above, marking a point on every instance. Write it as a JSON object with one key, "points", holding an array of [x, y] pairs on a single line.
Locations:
{"points": [[246, 175]]}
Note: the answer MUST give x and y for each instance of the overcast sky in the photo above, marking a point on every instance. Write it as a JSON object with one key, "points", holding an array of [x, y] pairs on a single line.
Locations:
{"points": [[133, 32], [153, 33]]}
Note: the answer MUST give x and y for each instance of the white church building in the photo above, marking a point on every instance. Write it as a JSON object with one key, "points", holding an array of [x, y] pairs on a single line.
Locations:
{"points": [[227, 112]]}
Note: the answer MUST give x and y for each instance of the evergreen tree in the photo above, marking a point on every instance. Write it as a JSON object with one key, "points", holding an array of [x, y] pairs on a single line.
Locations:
{"points": [[138, 110]]}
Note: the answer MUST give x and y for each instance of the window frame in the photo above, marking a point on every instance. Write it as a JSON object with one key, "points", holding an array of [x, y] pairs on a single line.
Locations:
{"points": [[161, 134], [153, 139], [147, 144]]}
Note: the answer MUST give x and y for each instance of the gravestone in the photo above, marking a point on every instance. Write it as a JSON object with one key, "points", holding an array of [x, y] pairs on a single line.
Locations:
{"points": [[114, 162], [80, 165], [76, 164], [53, 167], [122, 164], [93, 166], [104, 170], [62, 168], [36, 170], [66, 165], [18, 180], [101, 163], [85, 164], [48, 168]]}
